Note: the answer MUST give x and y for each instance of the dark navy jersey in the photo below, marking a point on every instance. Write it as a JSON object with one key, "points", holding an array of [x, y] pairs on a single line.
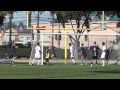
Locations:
{"points": [[94, 50], [83, 51], [13, 50]]}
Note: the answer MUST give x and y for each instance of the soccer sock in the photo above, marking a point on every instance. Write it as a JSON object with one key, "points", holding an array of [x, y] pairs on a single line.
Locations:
{"points": [[82, 61], [103, 62], [33, 61], [38, 62], [91, 64], [73, 60]]}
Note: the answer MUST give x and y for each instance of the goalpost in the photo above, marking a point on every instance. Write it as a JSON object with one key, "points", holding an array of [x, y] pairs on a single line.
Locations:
{"points": [[65, 37], [63, 52]]}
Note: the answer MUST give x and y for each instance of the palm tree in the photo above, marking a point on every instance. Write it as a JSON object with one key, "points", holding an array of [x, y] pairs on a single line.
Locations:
{"points": [[29, 24], [38, 16], [2, 17], [10, 13], [52, 14]]}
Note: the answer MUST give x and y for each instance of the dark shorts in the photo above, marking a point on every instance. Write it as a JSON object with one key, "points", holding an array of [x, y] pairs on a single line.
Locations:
{"points": [[94, 57], [84, 55], [47, 59], [72, 57]]}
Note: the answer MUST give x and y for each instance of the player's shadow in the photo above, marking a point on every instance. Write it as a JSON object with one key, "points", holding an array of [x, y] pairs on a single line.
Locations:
{"points": [[108, 71]]}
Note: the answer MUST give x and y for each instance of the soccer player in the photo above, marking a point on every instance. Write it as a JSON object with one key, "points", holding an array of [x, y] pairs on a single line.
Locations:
{"points": [[103, 54], [13, 53], [47, 56], [37, 54], [72, 52], [83, 55], [94, 53]]}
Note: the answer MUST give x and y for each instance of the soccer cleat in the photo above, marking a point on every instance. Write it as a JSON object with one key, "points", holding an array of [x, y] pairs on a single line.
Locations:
{"points": [[103, 65]]}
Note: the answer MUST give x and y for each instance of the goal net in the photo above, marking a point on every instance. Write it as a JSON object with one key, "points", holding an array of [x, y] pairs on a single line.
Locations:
{"points": [[58, 43]]}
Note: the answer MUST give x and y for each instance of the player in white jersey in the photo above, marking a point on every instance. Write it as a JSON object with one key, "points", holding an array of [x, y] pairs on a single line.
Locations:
{"points": [[72, 53], [37, 54], [103, 54]]}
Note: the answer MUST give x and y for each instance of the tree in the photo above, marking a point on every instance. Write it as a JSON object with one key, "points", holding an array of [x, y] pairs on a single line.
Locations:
{"points": [[2, 17], [7, 25], [10, 13], [64, 16], [38, 13]]}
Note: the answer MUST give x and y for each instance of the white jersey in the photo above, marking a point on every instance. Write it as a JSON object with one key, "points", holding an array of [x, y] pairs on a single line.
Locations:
{"points": [[37, 52], [72, 51], [103, 52]]}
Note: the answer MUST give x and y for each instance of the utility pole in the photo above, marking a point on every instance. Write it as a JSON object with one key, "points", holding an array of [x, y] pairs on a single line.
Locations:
{"points": [[58, 39], [38, 36], [10, 17], [52, 31], [29, 25]]}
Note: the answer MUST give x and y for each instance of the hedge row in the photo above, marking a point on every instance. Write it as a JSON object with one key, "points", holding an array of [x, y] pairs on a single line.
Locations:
{"points": [[20, 52], [26, 52]]}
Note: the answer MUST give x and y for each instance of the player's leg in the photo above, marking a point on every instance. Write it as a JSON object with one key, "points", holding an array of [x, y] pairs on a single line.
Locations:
{"points": [[38, 61], [117, 60], [85, 60], [33, 61], [103, 58], [11, 60], [96, 63], [92, 61], [47, 60], [103, 62], [73, 60], [82, 60]]}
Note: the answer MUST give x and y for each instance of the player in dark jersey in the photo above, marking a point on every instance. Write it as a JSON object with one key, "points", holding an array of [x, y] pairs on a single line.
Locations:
{"points": [[83, 54], [94, 53]]}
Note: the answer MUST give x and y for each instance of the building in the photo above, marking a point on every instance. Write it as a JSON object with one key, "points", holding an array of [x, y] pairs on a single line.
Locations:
{"points": [[2, 33], [21, 34], [110, 28]]}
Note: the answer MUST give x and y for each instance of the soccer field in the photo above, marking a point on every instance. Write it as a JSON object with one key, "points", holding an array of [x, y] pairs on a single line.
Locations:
{"points": [[59, 71]]}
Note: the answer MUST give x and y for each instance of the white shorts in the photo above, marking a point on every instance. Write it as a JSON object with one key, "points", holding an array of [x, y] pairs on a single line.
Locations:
{"points": [[72, 55], [37, 55], [103, 54]]}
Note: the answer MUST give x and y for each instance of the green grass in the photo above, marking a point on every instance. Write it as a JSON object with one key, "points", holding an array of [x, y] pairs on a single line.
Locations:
{"points": [[59, 71]]}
